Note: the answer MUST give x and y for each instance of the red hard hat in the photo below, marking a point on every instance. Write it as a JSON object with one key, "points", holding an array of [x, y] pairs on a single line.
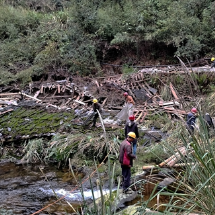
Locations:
{"points": [[194, 110], [125, 94], [132, 117]]}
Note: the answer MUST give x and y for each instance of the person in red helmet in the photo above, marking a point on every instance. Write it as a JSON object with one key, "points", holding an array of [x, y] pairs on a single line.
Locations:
{"points": [[131, 126], [191, 120]]}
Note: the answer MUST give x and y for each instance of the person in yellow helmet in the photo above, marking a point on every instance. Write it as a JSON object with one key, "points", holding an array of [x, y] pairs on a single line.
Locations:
{"points": [[213, 62], [126, 160], [96, 106]]}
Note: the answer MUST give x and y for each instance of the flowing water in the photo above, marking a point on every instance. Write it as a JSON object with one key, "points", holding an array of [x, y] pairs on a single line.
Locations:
{"points": [[24, 189]]}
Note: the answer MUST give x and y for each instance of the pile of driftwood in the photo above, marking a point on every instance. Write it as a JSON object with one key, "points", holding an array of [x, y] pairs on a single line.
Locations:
{"points": [[78, 94]]}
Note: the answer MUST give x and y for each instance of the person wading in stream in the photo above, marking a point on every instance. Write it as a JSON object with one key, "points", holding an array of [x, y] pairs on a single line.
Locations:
{"points": [[126, 160], [131, 126], [96, 106], [191, 120]]}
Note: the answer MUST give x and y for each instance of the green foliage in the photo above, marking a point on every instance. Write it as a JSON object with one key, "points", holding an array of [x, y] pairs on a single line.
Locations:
{"points": [[53, 34], [153, 154], [63, 147], [201, 79], [196, 181], [6, 77], [126, 70]]}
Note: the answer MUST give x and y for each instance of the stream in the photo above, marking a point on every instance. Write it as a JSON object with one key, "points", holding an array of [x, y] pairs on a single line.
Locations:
{"points": [[24, 189]]}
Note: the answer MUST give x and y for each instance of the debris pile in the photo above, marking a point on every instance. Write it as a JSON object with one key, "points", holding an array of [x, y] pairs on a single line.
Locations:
{"points": [[78, 94]]}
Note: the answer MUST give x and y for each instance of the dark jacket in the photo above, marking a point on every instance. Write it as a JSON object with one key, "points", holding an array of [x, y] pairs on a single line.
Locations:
{"points": [[213, 64], [208, 120], [124, 146], [191, 119], [131, 127], [97, 106]]}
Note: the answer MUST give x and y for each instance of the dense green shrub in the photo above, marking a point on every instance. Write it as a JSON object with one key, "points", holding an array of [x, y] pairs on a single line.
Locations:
{"points": [[54, 34]]}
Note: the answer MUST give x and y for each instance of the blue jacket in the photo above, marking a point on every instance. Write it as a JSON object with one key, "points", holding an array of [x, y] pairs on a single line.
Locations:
{"points": [[191, 119]]}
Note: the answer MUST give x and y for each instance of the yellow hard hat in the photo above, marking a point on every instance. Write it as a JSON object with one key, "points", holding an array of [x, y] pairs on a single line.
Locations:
{"points": [[95, 100], [132, 135], [212, 59]]}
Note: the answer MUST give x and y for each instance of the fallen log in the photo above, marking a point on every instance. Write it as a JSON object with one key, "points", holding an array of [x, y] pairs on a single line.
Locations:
{"points": [[175, 165], [171, 161]]}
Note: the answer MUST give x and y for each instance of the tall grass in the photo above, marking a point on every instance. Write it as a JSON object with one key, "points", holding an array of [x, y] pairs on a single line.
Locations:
{"points": [[194, 189]]}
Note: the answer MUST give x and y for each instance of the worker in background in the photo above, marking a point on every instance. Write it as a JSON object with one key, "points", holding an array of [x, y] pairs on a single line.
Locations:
{"points": [[126, 160], [130, 103], [96, 106], [191, 120], [131, 126], [213, 62], [209, 122]]}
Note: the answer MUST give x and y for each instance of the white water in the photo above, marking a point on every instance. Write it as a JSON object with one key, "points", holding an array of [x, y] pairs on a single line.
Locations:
{"points": [[77, 196]]}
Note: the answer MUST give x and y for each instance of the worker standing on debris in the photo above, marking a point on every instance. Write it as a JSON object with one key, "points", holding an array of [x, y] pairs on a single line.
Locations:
{"points": [[96, 106], [131, 126], [126, 160], [213, 62], [130, 103], [191, 120]]}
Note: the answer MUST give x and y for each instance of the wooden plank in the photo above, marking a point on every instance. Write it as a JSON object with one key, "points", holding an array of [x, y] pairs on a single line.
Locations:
{"points": [[97, 84], [103, 103], [144, 115], [63, 88], [36, 94], [9, 94], [41, 89], [68, 101], [171, 161], [38, 100], [58, 88], [173, 91], [6, 111], [139, 116], [137, 112], [7, 98], [79, 102]]}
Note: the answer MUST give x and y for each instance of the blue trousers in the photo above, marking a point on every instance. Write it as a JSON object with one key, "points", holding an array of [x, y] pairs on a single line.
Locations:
{"points": [[134, 143]]}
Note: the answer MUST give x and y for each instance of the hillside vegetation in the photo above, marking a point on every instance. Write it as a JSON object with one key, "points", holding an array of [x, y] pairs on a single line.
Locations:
{"points": [[42, 36]]}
